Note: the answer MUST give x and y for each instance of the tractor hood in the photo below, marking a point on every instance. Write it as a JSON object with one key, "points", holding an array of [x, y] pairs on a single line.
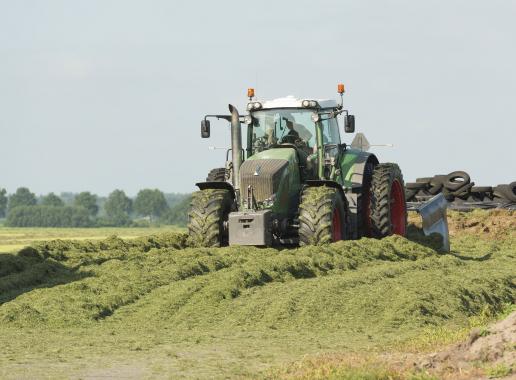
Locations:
{"points": [[271, 175], [286, 153]]}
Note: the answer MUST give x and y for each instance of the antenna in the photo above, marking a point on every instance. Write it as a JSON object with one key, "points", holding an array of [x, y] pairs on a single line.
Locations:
{"points": [[361, 142]]}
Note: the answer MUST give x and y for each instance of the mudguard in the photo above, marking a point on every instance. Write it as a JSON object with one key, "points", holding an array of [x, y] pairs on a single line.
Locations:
{"points": [[353, 165], [216, 185], [433, 214], [319, 182]]}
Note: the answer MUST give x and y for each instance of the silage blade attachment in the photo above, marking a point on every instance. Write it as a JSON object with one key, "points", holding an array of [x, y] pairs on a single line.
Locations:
{"points": [[433, 213]]}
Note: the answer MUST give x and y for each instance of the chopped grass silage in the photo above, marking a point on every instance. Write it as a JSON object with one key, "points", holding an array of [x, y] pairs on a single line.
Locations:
{"points": [[13, 239], [374, 285], [154, 294]]}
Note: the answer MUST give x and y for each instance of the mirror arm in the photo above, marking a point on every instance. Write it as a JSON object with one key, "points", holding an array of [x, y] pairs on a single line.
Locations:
{"points": [[337, 113], [224, 117], [333, 114]]}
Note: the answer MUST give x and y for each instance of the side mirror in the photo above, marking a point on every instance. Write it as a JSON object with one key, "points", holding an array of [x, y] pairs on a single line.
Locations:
{"points": [[205, 129], [349, 124]]}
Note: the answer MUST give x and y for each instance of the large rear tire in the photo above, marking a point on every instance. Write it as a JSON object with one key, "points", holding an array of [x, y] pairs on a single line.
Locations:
{"points": [[388, 206], [217, 175], [364, 221], [206, 220], [323, 216]]}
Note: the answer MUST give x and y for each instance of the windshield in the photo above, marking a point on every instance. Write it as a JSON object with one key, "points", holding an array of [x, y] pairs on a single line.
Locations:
{"points": [[292, 126]]}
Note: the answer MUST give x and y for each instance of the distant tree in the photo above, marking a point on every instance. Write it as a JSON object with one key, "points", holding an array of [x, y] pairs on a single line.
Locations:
{"points": [[175, 198], [67, 197], [48, 216], [178, 214], [22, 197], [3, 202], [118, 206], [88, 201], [52, 200], [151, 203]]}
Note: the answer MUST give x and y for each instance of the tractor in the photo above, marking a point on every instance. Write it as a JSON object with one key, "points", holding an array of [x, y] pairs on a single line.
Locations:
{"points": [[295, 182]]}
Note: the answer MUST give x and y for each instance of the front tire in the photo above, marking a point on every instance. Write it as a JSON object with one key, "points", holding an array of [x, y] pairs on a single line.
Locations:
{"points": [[323, 216], [209, 211], [388, 210]]}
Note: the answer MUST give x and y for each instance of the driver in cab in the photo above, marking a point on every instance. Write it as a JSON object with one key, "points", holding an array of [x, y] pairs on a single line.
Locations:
{"points": [[292, 134]]}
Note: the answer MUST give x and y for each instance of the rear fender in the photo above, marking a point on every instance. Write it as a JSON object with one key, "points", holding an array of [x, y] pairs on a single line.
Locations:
{"points": [[353, 166]]}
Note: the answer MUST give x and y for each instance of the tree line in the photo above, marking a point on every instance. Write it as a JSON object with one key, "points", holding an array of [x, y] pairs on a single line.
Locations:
{"points": [[150, 206]]}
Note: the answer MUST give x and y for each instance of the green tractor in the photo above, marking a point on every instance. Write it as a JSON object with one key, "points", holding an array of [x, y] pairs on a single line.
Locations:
{"points": [[296, 182]]}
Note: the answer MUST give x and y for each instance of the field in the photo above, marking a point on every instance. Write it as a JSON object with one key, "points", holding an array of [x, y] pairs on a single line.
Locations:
{"points": [[151, 307], [12, 239]]}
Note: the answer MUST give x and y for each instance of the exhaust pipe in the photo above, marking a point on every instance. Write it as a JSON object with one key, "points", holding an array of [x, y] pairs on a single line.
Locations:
{"points": [[236, 146]]}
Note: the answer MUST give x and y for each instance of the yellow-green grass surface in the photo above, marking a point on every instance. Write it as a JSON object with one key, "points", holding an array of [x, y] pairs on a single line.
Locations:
{"points": [[13, 239], [153, 308]]}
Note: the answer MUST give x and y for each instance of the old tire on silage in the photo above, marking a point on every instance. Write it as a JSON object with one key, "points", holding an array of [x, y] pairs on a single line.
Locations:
{"points": [[456, 180], [507, 192], [388, 206], [323, 216], [217, 175], [426, 180], [412, 189], [482, 189], [208, 213]]}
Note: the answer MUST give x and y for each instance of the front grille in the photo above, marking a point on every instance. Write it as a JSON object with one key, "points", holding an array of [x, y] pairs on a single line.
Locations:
{"points": [[263, 175]]}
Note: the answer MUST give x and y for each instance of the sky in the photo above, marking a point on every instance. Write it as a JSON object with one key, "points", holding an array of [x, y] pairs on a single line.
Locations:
{"points": [[100, 95]]}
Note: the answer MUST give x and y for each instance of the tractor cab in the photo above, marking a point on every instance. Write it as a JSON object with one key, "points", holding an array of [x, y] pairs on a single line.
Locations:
{"points": [[272, 125], [309, 126]]}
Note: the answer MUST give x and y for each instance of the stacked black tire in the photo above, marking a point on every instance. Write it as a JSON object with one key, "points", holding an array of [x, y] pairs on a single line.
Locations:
{"points": [[458, 189]]}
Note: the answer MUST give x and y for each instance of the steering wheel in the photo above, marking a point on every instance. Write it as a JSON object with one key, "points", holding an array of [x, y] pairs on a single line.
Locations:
{"points": [[260, 143]]}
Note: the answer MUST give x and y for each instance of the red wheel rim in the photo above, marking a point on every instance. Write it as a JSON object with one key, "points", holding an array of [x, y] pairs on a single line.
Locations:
{"points": [[398, 225], [337, 226]]}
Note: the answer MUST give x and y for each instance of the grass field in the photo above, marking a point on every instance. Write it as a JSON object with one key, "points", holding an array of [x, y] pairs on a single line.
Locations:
{"points": [[152, 307], [13, 239]]}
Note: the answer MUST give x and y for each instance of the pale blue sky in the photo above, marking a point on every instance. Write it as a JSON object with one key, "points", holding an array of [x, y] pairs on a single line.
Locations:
{"points": [[97, 95]]}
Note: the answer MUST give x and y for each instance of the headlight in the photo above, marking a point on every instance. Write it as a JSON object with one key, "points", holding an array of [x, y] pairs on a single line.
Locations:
{"points": [[315, 117], [309, 103], [257, 105], [248, 119], [249, 106]]}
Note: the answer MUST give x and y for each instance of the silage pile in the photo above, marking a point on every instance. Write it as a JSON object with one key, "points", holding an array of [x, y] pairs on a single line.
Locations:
{"points": [[492, 348], [373, 287], [491, 224]]}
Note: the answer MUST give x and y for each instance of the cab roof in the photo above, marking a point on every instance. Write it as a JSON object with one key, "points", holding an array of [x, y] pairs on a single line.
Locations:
{"points": [[293, 102]]}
